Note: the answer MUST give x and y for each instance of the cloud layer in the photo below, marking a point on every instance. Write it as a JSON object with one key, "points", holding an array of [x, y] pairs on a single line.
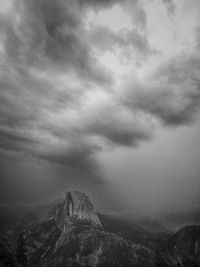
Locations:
{"points": [[60, 103]]}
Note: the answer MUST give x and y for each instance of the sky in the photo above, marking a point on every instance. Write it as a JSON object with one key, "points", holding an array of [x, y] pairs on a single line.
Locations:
{"points": [[101, 96]]}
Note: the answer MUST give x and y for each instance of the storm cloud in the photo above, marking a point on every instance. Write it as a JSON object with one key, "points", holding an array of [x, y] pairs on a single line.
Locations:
{"points": [[173, 93], [45, 43], [74, 85], [170, 5], [133, 41]]}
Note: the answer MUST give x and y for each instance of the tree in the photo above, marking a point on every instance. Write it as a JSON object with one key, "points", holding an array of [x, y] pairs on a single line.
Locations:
{"points": [[21, 250]]}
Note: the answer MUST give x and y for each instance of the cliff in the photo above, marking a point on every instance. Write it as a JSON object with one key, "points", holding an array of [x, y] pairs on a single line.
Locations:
{"points": [[76, 206], [70, 234]]}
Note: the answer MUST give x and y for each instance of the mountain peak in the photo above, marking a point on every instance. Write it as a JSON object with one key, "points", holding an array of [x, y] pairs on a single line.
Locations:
{"points": [[76, 205]]}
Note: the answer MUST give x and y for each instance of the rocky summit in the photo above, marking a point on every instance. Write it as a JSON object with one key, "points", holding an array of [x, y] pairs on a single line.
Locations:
{"points": [[70, 234], [78, 206], [183, 249]]}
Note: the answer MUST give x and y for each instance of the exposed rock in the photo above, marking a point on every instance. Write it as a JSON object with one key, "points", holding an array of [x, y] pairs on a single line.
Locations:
{"points": [[71, 235], [86, 245], [183, 249], [76, 205]]}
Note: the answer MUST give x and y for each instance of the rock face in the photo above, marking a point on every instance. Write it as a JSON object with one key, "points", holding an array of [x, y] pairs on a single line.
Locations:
{"points": [[183, 249], [70, 234], [75, 206], [144, 231]]}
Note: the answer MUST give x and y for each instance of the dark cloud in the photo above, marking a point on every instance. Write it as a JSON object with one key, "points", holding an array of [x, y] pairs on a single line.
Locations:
{"points": [[197, 37], [133, 7], [134, 42], [52, 121], [170, 5], [136, 11], [172, 95], [117, 126], [78, 157], [12, 139], [61, 107], [102, 3], [49, 33], [41, 116]]}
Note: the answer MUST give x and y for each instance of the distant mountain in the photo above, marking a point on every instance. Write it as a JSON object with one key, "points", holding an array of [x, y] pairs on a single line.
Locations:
{"points": [[11, 214], [140, 230], [177, 220], [38, 214], [183, 249]]}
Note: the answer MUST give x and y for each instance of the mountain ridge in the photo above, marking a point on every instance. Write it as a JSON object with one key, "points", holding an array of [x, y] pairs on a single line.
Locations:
{"points": [[71, 233]]}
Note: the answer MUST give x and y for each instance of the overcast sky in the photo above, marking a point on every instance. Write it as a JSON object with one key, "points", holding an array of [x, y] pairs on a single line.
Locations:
{"points": [[101, 96]]}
